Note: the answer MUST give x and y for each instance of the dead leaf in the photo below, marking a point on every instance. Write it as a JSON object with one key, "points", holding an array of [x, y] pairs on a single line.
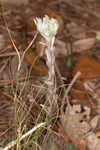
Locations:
{"points": [[30, 25], [93, 142], [78, 91], [98, 146], [40, 45], [94, 121], [63, 134], [88, 66], [84, 44], [93, 88], [36, 63], [60, 48], [82, 145], [73, 121], [76, 31]]}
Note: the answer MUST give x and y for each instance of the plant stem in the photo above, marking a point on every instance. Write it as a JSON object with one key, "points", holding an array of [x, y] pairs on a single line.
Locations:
{"points": [[52, 97]]}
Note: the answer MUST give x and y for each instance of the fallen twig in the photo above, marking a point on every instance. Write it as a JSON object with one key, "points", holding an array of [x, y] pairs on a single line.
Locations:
{"points": [[72, 82]]}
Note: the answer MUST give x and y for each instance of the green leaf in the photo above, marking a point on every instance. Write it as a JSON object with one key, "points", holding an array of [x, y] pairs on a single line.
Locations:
{"points": [[73, 147]]}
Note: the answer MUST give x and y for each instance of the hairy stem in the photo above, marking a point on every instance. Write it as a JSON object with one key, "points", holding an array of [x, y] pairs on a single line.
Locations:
{"points": [[52, 97]]}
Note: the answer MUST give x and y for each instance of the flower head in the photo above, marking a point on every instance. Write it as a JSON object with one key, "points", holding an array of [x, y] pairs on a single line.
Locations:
{"points": [[47, 27]]}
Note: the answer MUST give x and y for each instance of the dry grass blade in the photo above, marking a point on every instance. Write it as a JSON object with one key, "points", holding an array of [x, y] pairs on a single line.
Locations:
{"points": [[8, 54], [23, 136], [21, 59]]}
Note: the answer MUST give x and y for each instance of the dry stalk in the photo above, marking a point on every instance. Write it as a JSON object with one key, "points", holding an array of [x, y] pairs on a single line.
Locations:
{"points": [[72, 82], [68, 90], [11, 144]]}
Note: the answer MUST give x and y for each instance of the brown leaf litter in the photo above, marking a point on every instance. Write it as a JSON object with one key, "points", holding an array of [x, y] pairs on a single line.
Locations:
{"points": [[77, 126], [89, 67], [80, 122]]}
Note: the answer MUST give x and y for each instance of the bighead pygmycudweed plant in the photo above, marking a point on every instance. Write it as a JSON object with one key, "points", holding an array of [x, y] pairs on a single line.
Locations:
{"points": [[48, 29]]}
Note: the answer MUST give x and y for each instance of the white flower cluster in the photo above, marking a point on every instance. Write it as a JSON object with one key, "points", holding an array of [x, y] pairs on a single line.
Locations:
{"points": [[47, 27]]}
